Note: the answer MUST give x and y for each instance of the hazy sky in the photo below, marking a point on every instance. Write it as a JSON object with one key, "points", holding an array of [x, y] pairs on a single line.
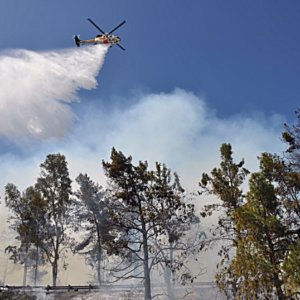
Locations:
{"points": [[194, 74]]}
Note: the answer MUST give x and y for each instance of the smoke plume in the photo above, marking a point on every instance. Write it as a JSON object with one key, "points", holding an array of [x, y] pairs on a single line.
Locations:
{"points": [[36, 89]]}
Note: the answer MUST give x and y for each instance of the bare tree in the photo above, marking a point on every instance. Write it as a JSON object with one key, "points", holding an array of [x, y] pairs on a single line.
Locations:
{"points": [[91, 218]]}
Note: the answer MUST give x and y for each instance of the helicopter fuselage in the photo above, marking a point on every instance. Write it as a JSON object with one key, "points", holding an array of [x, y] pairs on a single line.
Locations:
{"points": [[108, 39]]}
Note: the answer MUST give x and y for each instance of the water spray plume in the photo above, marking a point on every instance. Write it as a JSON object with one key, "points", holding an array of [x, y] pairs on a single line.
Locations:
{"points": [[36, 89]]}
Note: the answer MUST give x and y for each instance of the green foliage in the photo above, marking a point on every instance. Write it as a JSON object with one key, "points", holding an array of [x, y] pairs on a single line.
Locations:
{"points": [[265, 227], [291, 269], [54, 188], [261, 250], [54, 184], [225, 182]]}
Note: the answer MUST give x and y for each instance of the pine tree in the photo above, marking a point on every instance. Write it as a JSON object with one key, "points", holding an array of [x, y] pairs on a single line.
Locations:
{"points": [[225, 183], [54, 186], [264, 260], [148, 215]]}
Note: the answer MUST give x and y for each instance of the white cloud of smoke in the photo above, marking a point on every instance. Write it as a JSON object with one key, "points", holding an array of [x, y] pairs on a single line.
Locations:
{"points": [[176, 128], [36, 87]]}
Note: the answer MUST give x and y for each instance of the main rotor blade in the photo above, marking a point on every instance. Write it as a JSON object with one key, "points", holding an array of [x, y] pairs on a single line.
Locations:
{"points": [[96, 26], [117, 27], [120, 47]]}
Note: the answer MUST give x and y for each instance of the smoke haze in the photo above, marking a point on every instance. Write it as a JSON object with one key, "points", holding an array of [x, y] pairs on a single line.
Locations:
{"points": [[177, 128], [36, 88]]}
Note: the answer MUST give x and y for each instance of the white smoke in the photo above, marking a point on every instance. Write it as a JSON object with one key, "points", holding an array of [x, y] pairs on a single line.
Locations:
{"points": [[177, 128], [37, 87]]}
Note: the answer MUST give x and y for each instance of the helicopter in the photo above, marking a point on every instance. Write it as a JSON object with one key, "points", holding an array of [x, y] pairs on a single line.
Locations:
{"points": [[104, 38]]}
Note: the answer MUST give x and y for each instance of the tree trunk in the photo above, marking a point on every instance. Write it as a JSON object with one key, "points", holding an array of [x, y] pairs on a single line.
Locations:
{"points": [[147, 282], [36, 265], [168, 275], [54, 272], [169, 283], [99, 266], [99, 252], [279, 292], [56, 255], [273, 261], [54, 275], [25, 270]]}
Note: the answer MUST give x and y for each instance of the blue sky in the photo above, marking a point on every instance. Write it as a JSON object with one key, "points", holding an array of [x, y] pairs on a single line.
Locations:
{"points": [[195, 74], [241, 58], [241, 55]]}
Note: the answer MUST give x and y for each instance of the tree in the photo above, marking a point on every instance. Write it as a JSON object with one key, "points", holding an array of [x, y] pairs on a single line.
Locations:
{"points": [[292, 137], [132, 212], [54, 186], [92, 218], [264, 263], [286, 181], [18, 205], [28, 220], [225, 183], [262, 248], [289, 189], [36, 228], [177, 217], [270, 236], [145, 209]]}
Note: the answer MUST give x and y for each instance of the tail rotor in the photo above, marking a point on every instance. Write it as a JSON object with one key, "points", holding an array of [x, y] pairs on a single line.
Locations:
{"points": [[77, 40]]}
